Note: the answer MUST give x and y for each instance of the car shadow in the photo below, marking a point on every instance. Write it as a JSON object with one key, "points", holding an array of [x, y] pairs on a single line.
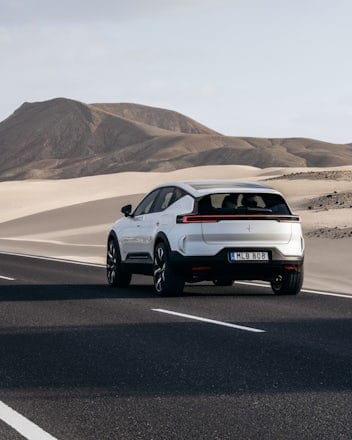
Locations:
{"points": [[61, 292]]}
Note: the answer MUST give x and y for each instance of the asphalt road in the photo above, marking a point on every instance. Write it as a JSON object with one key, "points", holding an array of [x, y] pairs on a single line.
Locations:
{"points": [[83, 361]]}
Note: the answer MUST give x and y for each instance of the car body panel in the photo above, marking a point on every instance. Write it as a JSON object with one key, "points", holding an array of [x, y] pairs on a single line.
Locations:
{"points": [[234, 232]]}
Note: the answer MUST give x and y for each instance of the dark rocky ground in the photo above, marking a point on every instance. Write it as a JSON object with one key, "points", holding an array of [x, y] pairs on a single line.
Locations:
{"points": [[334, 233], [318, 175], [334, 200]]}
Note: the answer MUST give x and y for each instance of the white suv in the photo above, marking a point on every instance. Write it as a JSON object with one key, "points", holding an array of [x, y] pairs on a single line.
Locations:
{"points": [[208, 230]]}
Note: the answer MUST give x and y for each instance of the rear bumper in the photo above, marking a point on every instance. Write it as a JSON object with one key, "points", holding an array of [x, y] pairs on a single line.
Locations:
{"points": [[199, 268]]}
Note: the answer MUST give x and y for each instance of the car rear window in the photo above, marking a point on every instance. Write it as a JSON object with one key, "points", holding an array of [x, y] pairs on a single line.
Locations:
{"points": [[243, 203]]}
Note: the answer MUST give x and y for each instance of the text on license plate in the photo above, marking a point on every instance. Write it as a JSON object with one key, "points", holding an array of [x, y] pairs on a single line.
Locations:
{"points": [[249, 256]]}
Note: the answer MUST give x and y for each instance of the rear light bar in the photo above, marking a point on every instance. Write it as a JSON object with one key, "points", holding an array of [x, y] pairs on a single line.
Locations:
{"points": [[214, 218], [196, 219]]}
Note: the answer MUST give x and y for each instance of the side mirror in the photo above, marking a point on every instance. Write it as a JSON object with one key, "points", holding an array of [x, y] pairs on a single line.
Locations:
{"points": [[126, 210]]}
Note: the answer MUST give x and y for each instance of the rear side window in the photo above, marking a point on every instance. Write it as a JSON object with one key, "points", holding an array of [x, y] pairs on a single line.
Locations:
{"points": [[167, 197], [243, 203], [178, 194], [164, 199]]}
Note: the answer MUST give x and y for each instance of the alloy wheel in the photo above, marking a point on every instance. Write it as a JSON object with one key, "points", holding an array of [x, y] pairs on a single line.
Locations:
{"points": [[159, 269], [111, 262]]}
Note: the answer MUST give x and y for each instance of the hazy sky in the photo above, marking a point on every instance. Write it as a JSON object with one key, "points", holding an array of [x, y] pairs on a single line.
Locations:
{"points": [[274, 68]]}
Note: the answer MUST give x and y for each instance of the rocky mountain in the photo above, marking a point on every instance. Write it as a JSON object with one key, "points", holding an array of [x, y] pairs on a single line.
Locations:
{"points": [[62, 138], [157, 117]]}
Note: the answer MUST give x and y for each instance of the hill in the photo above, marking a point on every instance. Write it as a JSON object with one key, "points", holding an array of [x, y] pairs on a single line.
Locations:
{"points": [[157, 117], [63, 138]]}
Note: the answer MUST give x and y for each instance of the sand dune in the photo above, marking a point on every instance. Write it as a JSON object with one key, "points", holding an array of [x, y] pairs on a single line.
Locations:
{"points": [[101, 194], [27, 197]]}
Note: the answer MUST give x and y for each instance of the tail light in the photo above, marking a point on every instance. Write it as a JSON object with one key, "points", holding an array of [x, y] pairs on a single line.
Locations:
{"points": [[194, 218]]}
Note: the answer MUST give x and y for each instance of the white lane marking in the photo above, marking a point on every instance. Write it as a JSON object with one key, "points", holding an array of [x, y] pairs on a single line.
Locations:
{"points": [[210, 321], [59, 260], [19, 423], [318, 292], [7, 278]]}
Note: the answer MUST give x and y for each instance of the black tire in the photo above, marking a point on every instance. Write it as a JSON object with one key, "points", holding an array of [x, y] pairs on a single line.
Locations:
{"points": [[223, 282], [116, 274], [166, 281], [289, 283]]}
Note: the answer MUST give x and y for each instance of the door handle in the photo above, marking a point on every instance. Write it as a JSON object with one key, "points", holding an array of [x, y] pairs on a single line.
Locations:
{"points": [[157, 223]]}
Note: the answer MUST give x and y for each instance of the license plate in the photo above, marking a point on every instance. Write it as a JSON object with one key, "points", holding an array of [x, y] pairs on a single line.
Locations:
{"points": [[249, 256]]}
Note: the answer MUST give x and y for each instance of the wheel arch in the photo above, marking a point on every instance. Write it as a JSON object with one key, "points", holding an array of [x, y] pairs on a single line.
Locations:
{"points": [[162, 238], [112, 234]]}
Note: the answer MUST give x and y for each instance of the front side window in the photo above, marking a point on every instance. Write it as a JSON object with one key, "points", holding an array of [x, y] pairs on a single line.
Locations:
{"points": [[146, 205], [243, 203]]}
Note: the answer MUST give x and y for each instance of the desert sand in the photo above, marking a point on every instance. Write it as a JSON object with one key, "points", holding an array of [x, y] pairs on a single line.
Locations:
{"points": [[70, 218]]}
